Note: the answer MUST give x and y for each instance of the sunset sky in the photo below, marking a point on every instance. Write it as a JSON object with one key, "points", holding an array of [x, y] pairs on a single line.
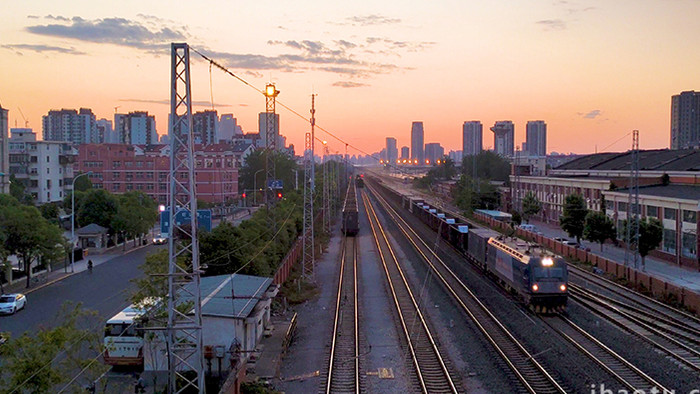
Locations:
{"points": [[593, 70]]}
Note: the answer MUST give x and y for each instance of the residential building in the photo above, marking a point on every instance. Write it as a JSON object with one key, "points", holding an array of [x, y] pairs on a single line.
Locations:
{"points": [[44, 167], [456, 157], [69, 125], [263, 118], [4, 152], [504, 138], [536, 138], [433, 152], [206, 127], [472, 138], [241, 150], [392, 153], [228, 128], [405, 153], [417, 138], [120, 168], [603, 177], [136, 128], [685, 120], [105, 131]]}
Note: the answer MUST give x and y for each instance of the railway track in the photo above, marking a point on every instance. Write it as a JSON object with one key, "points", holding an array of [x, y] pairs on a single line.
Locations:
{"points": [[344, 362], [529, 372], [631, 377], [432, 374]]}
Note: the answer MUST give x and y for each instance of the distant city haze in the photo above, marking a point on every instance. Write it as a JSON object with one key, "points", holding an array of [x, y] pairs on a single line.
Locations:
{"points": [[593, 70]]}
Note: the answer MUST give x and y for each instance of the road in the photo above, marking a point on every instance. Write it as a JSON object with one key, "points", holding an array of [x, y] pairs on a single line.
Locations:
{"points": [[105, 290]]}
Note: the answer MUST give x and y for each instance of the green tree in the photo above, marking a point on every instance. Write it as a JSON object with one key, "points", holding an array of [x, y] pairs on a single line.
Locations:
{"points": [[136, 214], [96, 206], [255, 163], [47, 361], [50, 212], [83, 184], [531, 206], [573, 217], [18, 191], [489, 166], [598, 228], [29, 235], [651, 232]]}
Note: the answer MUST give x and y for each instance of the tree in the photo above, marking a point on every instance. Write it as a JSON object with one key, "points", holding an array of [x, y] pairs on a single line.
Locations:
{"points": [[488, 165], [573, 217], [531, 206], [96, 206], [136, 214], [29, 235], [255, 163], [598, 228], [83, 184], [18, 191], [651, 232], [47, 361]]}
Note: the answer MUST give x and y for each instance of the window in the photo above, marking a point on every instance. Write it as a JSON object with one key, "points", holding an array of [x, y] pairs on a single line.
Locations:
{"points": [[48, 158], [669, 213], [690, 245], [33, 159], [610, 205], [115, 187], [129, 186], [622, 206], [116, 163], [689, 216], [35, 183], [652, 211], [48, 183], [669, 243]]}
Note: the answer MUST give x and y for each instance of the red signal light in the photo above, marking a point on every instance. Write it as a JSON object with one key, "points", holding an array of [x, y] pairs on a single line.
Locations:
{"points": [[243, 195], [362, 175], [279, 195]]}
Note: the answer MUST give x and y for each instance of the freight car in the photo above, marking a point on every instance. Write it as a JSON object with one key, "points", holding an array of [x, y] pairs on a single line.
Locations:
{"points": [[350, 221], [359, 180], [539, 278]]}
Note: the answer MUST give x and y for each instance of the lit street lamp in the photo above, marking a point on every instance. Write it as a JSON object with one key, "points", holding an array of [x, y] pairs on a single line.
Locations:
{"points": [[72, 219], [255, 186]]}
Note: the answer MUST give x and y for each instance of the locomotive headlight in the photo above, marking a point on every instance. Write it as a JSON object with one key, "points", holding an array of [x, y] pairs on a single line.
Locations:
{"points": [[547, 262], [535, 287], [562, 287]]}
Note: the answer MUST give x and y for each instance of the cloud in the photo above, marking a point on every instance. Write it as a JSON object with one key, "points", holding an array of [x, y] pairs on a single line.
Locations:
{"points": [[552, 24], [371, 20], [349, 84], [591, 114], [41, 49], [57, 18], [167, 102], [117, 31], [346, 44]]}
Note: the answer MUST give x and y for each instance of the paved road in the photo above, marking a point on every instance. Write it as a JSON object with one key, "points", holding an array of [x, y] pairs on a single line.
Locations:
{"points": [[105, 290]]}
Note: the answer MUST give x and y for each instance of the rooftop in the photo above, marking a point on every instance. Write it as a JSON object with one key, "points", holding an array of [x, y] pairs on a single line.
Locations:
{"points": [[231, 295], [649, 160]]}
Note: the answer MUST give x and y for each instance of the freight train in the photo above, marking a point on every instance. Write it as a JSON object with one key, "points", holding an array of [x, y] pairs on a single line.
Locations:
{"points": [[350, 221], [538, 277]]}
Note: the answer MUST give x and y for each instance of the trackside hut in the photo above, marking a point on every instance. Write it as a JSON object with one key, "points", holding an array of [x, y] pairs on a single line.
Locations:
{"points": [[235, 313]]}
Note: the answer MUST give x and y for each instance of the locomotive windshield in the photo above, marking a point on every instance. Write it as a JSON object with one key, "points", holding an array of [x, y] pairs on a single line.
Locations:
{"points": [[541, 272]]}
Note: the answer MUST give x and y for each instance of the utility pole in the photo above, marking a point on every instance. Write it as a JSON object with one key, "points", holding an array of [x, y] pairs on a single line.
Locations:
{"points": [[271, 146], [184, 329], [309, 174], [632, 230], [326, 191]]}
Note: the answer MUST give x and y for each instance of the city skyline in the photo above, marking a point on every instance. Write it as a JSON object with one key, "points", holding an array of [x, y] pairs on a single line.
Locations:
{"points": [[572, 65]]}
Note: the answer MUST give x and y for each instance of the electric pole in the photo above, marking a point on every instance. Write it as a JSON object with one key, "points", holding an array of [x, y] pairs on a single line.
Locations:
{"points": [[309, 174]]}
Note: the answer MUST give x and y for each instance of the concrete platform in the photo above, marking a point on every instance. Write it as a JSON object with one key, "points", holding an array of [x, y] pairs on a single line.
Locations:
{"points": [[272, 348]]}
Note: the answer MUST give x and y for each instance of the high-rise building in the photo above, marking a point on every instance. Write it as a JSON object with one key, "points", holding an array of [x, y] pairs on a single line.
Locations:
{"points": [[206, 127], [262, 127], [228, 127], [405, 153], [417, 137], [69, 125], [536, 138], [136, 128], [433, 152], [685, 120], [472, 138], [392, 153], [504, 138], [105, 131], [44, 167], [4, 152]]}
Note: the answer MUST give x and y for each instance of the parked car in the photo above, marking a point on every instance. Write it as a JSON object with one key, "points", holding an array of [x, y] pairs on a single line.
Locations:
{"points": [[160, 239], [11, 303]]}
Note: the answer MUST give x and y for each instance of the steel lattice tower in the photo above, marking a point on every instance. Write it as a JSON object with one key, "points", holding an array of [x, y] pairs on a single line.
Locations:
{"points": [[326, 192], [184, 327], [309, 174], [271, 144], [633, 205]]}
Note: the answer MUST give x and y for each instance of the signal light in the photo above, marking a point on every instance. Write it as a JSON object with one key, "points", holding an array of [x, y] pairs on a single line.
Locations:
{"points": [[562, 287], [535, 287], [243, 195], [279, 195]]}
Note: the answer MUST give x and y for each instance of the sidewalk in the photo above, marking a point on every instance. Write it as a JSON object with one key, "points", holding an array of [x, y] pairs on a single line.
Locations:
{"points": [[47, 278]]}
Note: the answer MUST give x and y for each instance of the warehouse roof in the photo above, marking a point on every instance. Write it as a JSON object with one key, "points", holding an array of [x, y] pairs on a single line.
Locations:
{"points": [[684, 192], [230, 295], [650, 160]]}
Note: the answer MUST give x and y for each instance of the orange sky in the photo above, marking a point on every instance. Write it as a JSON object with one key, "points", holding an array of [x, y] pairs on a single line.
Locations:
{"points": [[592, 70]]}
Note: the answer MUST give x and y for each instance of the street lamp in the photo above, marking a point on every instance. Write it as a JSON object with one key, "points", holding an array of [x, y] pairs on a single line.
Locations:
{"points": [[72, 219], [255, 186]]}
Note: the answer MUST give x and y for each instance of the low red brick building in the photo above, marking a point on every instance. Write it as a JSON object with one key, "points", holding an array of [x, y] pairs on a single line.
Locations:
{"points": [[119, 168]]}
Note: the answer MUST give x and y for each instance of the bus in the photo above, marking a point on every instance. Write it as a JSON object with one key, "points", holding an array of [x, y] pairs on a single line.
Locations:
{"points": [[123, 338]]}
